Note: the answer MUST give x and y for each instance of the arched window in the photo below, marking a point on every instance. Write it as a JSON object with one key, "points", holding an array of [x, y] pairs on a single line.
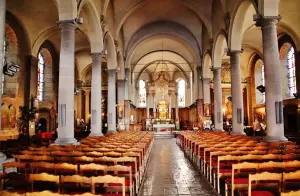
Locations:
{"points": [[181, 93], [142, 93], [288, 70], [40, 77], [259, 77]]}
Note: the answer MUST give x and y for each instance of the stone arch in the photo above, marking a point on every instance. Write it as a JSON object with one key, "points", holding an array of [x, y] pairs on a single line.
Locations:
{"points": [[207, 63], [42, 38], [162, 28], [111, 56], [120, 61], [187, 4], [220, 44], [287, 30], [237, 24], [67, 9], [94, 30]]}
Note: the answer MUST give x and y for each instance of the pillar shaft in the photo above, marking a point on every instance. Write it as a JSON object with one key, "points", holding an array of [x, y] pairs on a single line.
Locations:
{"points": [[218, 117], [170, 106], [148, 105], [87, 104], [249, 101], [2, 37], [206, 91], [237, 94], [274, 109], [200, 83], [96, 99], [66, 85], [111, 100], [176, 107]]}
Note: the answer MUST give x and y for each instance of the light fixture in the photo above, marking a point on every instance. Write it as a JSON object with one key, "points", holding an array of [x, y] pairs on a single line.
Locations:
{"points": [[297, 96], [229, 98], [10, 69], [77, 91], [261, 88]]}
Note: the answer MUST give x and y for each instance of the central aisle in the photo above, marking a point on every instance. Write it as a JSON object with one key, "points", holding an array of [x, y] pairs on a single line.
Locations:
{"points": [[170, 173]]}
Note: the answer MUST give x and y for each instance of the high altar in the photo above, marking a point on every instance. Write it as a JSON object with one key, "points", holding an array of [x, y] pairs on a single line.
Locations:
{"points": [[161, 96]]}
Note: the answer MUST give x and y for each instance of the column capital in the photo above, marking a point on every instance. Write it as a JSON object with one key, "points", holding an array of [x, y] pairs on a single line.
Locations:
{"points": [[97, 55], [234, 52], [263, 21], [111, 71], [86, 90], [67, 25], [216, 69]]}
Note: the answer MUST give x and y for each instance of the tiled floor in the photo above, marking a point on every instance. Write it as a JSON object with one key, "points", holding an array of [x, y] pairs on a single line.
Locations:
{"points": [[170, 173]]}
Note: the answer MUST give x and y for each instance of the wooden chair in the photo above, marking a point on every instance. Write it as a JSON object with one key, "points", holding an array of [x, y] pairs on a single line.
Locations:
{"points": [[14, 179], [239, 177], [23, 158], [292, 193], [108, 179], [40, 167], [92, 169], [76, 183], [7, 193], [65, 169], [270, 167], [83, 160], [263, 181], [122, 171], [94, 154], [291, 181], [44, 158], [43, 193], [44, 181], [291, 165], [112, 154]]}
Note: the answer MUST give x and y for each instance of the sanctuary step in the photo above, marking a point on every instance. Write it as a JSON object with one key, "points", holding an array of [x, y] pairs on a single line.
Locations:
{"points": [[164, 135]]}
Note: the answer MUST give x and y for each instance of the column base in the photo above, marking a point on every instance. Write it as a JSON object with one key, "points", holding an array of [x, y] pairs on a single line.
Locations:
{"points": [[96, 134], [111, 131], [3, 158], [275, 139], [238, 133], [66, 141], [219, 130]]}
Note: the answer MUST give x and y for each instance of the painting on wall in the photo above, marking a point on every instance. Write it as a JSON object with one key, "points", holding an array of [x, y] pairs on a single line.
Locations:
{"points": [[8, 116]]}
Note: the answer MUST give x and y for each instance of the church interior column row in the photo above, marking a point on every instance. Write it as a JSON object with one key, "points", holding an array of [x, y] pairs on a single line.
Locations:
{"points": [[66, 84]]}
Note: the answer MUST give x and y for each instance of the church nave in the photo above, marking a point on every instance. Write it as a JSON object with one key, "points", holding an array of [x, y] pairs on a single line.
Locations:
{"points": [[170, 173]]}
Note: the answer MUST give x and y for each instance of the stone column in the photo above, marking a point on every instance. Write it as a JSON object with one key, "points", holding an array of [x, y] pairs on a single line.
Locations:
{"points": [[2, 33], [121, 99], [147, 104], [154, 105], [176, 107], [126, 90], [66, 85], [249, 100], [206, 91], [218, 117], [236, 93], [274, 108], [96, 99], [87, 104], [2, 37], [200, 83], [170, 106], [111, 100]]}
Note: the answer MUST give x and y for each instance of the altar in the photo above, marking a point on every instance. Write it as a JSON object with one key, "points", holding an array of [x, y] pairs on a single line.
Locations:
{"points": [[159, 127]]}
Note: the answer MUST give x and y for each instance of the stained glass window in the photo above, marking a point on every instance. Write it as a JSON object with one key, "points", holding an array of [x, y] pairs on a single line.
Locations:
{"points": [[142, 93], [181, 93], [291, 71], [41, 77], [288, 70]]}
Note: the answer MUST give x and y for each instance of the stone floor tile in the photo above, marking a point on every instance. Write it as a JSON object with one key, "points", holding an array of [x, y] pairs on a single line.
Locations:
{"points": [[170, 173]]}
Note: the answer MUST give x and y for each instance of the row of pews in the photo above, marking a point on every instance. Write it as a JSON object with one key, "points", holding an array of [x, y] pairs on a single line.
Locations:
{"points": [[107, 166], [240, 165]]}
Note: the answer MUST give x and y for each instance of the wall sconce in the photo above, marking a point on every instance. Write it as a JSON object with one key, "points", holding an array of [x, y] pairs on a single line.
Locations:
{"points": [[229, 98], [297, 96], [261, 88]]}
